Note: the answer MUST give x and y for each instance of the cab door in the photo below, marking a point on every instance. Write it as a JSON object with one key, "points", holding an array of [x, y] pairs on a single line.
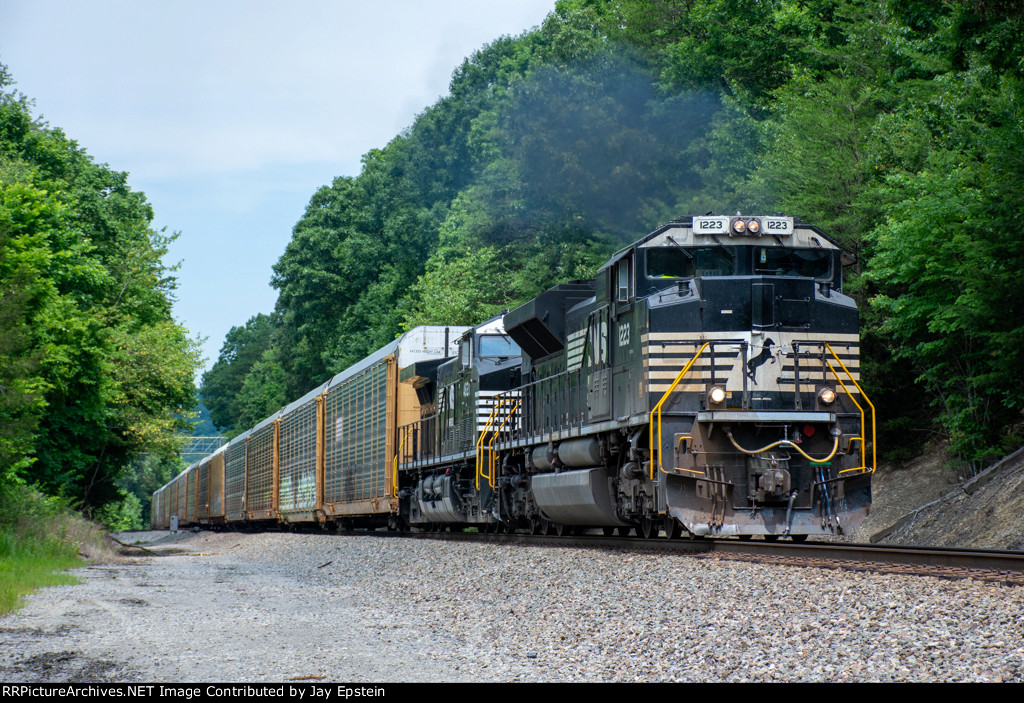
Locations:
{"points": [[599, 392]]}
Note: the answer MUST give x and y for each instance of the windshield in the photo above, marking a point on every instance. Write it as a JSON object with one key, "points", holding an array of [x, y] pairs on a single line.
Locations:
{"points": [[676, 262], [777, 261], [498, 345]]}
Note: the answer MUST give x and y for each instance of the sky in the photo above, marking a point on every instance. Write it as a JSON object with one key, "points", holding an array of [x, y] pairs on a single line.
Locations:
{"points": [[229, 115]]}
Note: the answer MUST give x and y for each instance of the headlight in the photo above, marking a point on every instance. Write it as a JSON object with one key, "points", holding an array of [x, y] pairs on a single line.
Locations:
{"points": [[754, 227], [739, 226], [826, 396], [716, 396]]}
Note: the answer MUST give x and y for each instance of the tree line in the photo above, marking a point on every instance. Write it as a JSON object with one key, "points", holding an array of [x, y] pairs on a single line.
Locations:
{"points": [[95, 374]]}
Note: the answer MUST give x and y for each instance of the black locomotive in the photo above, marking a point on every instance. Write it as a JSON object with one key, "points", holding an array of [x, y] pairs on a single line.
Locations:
{"points": [[705, 382]]}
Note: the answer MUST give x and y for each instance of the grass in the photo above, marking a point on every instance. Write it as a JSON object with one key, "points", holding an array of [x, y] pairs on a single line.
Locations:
{"points": [[27, 564], [40, 539]]}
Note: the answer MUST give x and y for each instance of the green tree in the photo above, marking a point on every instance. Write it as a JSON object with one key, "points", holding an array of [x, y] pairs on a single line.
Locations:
{"points": [[263, 391], [243, 347], [99, 369], [948, 265]]}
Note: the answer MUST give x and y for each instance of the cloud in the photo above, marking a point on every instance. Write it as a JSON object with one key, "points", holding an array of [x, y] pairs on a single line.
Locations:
{"points": [[190, 86], [230, 114]]}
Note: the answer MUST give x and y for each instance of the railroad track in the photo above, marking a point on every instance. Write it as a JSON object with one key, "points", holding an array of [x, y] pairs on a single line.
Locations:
{"points": [[992, 565]]}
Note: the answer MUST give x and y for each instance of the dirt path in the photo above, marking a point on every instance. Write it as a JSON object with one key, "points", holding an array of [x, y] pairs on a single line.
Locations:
{"points": [[196, 613]]}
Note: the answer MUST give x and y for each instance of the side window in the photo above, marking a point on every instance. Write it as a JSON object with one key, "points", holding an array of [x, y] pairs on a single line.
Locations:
{"points": [[465, 352], [625, 279]]}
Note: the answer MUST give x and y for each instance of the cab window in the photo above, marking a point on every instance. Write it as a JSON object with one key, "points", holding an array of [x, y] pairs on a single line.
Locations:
{"points": [[808, 263], [675, 262], [498, 345]]}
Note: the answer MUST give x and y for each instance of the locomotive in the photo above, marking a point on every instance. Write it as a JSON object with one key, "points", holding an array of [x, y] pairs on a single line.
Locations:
{"points": [[705, 382]]}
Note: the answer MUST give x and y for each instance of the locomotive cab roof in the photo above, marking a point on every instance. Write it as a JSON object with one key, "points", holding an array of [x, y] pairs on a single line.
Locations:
{"points": [[778, 231]]}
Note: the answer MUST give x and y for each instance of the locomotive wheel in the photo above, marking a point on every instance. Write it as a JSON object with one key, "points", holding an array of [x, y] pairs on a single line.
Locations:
{"points": [[673, 530], [648, 529]]}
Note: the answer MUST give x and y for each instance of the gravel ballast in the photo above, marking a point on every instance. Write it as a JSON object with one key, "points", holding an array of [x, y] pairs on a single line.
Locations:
{"points": [[277, 607]]}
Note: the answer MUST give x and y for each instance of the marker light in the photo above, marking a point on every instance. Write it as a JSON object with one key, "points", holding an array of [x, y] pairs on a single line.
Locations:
{"points": [[716, 395], [826, 396]]}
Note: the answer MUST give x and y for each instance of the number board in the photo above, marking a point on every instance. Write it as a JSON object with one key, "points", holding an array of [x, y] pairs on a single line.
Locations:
{"points": [[710, 225], [777, 225]]}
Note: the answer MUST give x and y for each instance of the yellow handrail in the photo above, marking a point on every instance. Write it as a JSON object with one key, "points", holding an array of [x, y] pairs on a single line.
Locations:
{"points": [[657, 411], [657, 408], [394, 474], [480, 441], [490, 446], [874, 457]]}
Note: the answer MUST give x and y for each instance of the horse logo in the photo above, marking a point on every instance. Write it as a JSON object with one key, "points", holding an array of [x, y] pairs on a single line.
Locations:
{"points": [[757, 361]]}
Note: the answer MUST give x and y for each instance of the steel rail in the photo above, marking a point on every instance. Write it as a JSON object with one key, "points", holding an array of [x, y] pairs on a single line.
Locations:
{"points": [[865, 557], [905, 555]]}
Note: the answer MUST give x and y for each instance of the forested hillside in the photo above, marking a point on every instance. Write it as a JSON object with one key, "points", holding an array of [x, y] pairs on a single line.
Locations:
{"points": [[896, 126], [94, 371]]}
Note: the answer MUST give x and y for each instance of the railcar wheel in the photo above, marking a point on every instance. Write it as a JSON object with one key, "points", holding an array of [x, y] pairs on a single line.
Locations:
{"points": [[771, 538], [648, 529], [673, 530], [609, 531], [746, 538], [798, 538], [539, 526], [625, 531], [564, 530]]}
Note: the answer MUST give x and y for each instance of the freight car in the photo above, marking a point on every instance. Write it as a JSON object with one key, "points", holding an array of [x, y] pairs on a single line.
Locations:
{"points": [[706, 381]]}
